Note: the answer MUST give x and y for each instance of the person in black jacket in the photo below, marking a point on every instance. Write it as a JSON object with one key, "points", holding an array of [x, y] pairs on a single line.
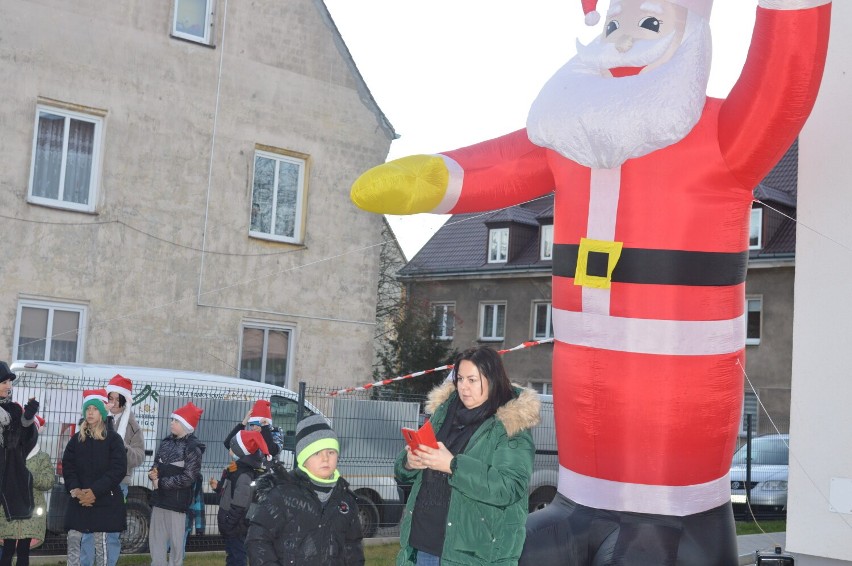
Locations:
{"points": [[259, 419], [249, 451], [307, 517], [17, 437], [93, 465], [177, 465]]}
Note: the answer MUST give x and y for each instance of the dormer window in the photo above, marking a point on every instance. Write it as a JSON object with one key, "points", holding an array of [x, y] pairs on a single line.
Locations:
{"points": [[546, 252], [755, 232], [498, 245]]}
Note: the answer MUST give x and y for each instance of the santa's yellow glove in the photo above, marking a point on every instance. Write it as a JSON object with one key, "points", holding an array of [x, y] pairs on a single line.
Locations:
{"points": [[409, 185]]}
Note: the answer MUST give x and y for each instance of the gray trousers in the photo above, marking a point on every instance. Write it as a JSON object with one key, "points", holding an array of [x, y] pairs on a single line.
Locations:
{"points": [[167, 535], [76, 558]]}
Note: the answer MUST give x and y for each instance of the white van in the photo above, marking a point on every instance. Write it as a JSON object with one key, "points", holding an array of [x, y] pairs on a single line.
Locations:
{"points": [[157, 393]]}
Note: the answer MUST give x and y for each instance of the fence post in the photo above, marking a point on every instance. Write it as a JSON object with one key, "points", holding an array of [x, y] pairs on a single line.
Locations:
{"points": [[300, 413], [748, 462]]}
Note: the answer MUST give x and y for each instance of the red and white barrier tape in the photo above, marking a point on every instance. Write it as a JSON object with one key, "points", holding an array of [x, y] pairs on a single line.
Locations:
{"points": [[433, 370]]}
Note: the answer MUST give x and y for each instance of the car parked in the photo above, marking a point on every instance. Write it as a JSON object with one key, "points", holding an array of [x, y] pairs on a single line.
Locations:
{"points": [[770, 458]]}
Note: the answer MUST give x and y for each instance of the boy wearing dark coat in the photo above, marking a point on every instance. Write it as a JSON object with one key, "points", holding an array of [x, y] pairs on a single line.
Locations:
{"points": [[309, 516], [177, 465], [249, 451]]}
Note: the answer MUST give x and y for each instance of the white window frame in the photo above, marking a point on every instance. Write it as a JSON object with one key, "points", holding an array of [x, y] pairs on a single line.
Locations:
{"points": [[266, 328], [279, 158], [208, 25], [498, 240], [494, 336], [548, 320], [542, 387], [52, 307], [546, 248], [752, 300], [755, 229], [444, 313], [94, 174]]}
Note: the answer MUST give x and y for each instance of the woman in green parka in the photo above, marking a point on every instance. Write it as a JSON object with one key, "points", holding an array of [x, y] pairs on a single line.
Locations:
{"points": [[468, 502], [29, 533]]}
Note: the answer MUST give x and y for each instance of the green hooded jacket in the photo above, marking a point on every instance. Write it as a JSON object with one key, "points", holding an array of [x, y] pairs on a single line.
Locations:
{"points": [[488, 502]]}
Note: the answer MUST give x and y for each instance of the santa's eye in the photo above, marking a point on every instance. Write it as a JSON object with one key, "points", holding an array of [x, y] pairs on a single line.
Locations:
{"points": [[611, 27], [651, 23]]}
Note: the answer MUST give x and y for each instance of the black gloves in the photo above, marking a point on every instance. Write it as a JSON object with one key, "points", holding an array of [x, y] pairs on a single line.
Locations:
{"points": [[30, 409]]}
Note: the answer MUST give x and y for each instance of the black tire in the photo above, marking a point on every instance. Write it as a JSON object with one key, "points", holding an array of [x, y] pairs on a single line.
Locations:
{"points": [[541, 498], [134, 540], [368, 514]]}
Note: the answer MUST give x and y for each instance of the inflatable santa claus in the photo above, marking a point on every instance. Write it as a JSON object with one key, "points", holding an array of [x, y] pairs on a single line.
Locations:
{"points": [[653, 188]]}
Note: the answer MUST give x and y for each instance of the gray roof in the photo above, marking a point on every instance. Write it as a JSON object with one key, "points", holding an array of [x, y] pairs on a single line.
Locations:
{"points": [[460, 246]]}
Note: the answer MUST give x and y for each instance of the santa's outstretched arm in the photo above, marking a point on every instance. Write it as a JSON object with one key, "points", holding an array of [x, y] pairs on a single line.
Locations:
{"points": [[778, 87], [493, 174]]}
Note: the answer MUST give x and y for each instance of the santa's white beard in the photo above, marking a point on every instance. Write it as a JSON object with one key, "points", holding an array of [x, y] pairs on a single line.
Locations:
{"points": [[601, 122]]}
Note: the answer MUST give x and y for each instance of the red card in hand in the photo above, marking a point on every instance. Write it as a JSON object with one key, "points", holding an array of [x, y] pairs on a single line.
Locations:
{"points": [[425, 435]]}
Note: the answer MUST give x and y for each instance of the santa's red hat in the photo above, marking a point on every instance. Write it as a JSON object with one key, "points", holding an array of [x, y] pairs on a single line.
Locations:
{"points": [[248, 442], [262, 409], [700, 7], [121, 385], [39, 421], [188, 416]]}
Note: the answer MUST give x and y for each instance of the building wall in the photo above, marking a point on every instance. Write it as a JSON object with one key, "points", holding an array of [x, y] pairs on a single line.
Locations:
{"points": [[522, 366], [769, 364], [820, 459], [170, 188]]}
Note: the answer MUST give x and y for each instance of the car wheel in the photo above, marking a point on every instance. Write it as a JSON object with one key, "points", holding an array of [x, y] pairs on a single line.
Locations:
{"points": [[134, 539], [368, 513], [541, 498]]}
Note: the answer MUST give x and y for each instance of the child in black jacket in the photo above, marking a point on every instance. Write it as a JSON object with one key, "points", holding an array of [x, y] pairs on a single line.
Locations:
{"points": [[249, 451], [309, 516]]}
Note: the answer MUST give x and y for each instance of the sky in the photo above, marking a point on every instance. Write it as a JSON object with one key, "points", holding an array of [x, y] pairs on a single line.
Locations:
{"points": [[451, 73]]}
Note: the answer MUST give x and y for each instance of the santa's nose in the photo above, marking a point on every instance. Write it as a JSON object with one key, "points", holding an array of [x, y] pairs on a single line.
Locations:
{"points": [[624, 43]]}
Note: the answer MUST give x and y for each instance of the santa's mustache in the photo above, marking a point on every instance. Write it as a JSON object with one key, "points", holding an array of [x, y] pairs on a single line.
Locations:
{"points": [[599, 56]]}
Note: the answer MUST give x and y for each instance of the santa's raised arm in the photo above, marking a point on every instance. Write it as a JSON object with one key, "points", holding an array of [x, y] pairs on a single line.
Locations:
{"points": [[653, 187]]}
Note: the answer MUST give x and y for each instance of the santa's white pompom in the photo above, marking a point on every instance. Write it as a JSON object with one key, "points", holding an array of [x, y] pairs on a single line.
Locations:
{"points": [[592, 18]]}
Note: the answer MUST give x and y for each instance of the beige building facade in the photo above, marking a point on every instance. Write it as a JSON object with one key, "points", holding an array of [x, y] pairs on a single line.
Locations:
{"points": [[174, 189]]}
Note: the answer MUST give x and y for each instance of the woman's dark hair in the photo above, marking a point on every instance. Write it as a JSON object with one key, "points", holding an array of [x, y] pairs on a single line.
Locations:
{"points": [[121, 400], [490, 366]]}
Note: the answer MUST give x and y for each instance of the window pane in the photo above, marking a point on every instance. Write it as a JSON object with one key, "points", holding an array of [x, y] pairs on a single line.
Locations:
{"points": [[63, 343], [78, 167], [288, 193], [755, 228], [251, 357], [48, 157], [488, 321], [501, 320], [753, 319], [261, 204], [541, 326], [191, 17], [276, 357], [547, 241], [450, 322], [33, 334]]}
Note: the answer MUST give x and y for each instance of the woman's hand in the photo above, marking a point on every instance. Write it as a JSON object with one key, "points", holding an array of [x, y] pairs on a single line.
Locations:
{"points": [[412, 460], [437, 459], [246, 419]]}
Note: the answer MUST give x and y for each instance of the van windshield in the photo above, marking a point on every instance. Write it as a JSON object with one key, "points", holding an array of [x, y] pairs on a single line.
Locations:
{"points": [[284, 414]]}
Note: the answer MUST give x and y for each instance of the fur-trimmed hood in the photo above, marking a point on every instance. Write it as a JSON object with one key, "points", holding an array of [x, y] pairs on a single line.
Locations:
{"points": [[521, 413]]}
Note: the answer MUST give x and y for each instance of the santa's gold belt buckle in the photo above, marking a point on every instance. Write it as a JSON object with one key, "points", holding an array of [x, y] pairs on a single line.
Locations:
{"points": [[596, 259]]}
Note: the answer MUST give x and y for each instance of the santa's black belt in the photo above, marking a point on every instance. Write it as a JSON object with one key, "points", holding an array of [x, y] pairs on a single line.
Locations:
{"points": [[656, 267]]}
